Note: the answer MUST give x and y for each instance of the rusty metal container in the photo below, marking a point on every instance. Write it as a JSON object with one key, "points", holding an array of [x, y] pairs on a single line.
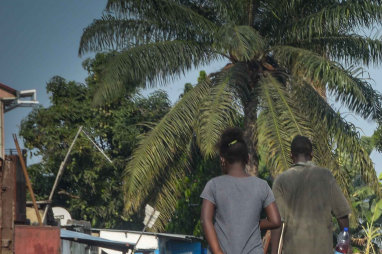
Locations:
{"points": [[37, 240]]}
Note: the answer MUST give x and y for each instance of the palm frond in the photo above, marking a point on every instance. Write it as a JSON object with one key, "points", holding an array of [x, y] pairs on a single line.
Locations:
{"points": [[279, 122], [164, 143], [110, 33], [313, 68], [153, 64], [344, 135], [165, 189], [219, 109], [342, 16], [163, 11], [350, 49]]}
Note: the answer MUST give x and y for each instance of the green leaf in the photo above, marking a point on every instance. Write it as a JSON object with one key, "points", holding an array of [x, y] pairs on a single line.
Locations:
{"points": [[378, 210]]}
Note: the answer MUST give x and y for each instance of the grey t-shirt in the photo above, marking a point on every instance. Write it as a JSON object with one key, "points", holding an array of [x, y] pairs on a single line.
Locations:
{"points": [[238, 204]]}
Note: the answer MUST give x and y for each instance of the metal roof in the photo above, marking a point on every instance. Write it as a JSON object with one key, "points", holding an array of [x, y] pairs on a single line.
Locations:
{"points": [[185, 237], [95, 241], [9, 89]]}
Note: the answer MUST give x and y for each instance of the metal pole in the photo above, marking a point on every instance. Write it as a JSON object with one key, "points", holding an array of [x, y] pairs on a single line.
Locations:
{"points": [[27, 178], [99, 149], [60, 171], [136, 244]]}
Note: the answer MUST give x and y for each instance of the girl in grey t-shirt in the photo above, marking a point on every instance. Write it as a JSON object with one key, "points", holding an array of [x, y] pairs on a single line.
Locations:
{"points": [[235, 200]]}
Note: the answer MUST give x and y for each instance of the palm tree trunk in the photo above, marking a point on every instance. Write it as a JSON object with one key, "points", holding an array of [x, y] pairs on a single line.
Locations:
{"points": [[250, 130], [252, 8]]}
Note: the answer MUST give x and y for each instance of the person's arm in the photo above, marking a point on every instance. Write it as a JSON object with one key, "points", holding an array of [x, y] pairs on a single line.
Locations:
{"points": [[343, 222], [275, 239], [340, 206], [276, 233], [208, 210], [273, 219]]}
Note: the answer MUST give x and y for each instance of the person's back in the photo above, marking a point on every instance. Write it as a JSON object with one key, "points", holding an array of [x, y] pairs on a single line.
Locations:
{"points": [[307, 197], [236, 200], [239, 202]]}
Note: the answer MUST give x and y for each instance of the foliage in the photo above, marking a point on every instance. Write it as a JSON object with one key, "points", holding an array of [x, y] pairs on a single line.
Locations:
{"points": [[284, 58], [186, 218], [378, 138], [366, 205], [91, 187]]}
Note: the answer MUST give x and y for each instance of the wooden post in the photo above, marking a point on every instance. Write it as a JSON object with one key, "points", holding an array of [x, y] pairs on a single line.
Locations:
{"points": [[27, 178], [60, 171], [267, 240]]}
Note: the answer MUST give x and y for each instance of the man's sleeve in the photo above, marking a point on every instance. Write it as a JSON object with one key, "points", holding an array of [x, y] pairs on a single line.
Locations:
{"points": [[340, 206], [280, 202]]}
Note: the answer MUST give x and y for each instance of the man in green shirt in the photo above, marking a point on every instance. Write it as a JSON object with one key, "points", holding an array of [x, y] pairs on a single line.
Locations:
{"points": [[307, 197]]}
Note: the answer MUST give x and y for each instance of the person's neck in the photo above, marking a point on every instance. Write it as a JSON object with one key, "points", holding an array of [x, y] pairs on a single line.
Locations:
{"points": [[301, 159], [237, 170]]}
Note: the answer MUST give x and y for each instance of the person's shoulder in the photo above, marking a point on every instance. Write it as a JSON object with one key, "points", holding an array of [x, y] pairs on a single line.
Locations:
{"points": [[259, 180], [321, 170], [280, 177], [215, 180]]}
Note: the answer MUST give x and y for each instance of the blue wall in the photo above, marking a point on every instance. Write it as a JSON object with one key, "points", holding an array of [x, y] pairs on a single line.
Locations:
{"points": [[184, 248]]}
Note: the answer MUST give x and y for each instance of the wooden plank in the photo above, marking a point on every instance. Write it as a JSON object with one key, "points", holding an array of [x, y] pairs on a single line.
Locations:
{"points": [[267, 240]]}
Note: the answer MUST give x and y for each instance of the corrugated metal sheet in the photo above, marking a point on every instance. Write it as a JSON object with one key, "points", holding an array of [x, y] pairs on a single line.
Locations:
{"points": [[174, 236], [147, 242], [95, 241]]}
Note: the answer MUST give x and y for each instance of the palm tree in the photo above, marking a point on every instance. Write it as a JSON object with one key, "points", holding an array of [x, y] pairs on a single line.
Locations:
{"points": [[284, 57]]}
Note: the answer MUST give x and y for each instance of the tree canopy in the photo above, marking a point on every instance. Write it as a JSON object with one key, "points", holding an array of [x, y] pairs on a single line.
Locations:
{"points": [[91, 187]]}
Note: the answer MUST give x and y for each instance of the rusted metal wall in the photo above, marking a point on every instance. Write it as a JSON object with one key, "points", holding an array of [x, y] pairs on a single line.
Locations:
{"points": [[21, 194], [37, 240], [13, 201], [2, 164], [8, 187]]}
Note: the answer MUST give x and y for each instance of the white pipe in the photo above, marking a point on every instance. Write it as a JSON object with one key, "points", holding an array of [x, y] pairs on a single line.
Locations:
{"points": [[29, 93], [27, 102]]}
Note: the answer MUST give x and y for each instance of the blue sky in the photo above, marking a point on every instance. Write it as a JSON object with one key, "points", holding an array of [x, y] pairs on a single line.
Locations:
{"points": [[39, 39]]}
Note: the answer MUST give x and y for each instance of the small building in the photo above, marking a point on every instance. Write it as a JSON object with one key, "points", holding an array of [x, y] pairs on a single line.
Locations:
{"points": [[152, 243], [10, 99]]}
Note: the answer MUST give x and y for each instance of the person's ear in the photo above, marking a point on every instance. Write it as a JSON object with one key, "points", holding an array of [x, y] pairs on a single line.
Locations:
{"points": [[311, 155], [222, 161], [248, 159], [291, 155]]}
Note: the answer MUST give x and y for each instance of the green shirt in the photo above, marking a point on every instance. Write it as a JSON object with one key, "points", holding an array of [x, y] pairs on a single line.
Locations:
{"points": [[307, 196]]}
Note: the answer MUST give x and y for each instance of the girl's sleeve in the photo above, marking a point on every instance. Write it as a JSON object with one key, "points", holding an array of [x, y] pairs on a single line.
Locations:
{"points": [[209, 192], [269, 197]]}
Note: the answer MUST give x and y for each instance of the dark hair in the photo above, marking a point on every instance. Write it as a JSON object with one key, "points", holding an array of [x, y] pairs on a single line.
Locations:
{"points": [[232, 146], [301, 145]]}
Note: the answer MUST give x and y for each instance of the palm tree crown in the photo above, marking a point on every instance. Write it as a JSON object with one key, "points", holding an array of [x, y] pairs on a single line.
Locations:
{"points": [[284, 58]]}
